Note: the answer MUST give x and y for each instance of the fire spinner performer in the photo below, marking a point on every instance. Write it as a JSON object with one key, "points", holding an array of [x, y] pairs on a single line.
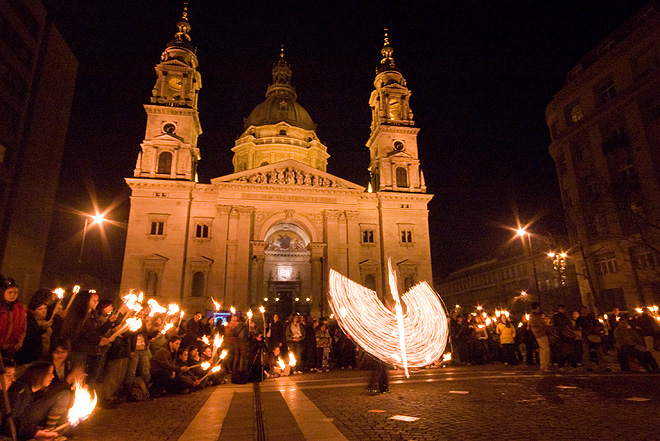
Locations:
{"points": [[415, 337]]}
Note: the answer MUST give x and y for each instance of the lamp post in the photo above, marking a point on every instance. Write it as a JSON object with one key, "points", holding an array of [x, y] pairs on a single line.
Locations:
{"points": [[97, 219], [522, 233]]}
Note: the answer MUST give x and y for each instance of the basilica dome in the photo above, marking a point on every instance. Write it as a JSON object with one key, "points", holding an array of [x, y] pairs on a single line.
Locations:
{"points": [[280, 104], [277, 109]]}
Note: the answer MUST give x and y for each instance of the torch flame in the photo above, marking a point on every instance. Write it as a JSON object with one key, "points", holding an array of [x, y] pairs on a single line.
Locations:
{"points": [[217, 341], [167, 327], [205, 340], [141, 297], [59, 292], [446, 357], [281, 363], [83, 404], [233, 310], [155, 307], [223, 354], [206, 365], [134, 324], [76, 289], [292, 359], [249, 314], [172, 309], [262, 309], [215, 304], [216, 369]]}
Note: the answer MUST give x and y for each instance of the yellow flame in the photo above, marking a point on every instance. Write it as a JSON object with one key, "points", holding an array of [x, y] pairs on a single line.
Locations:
{"points": [[84, 403], [134, 324], [446, 357], [215, 304], [206, 365], [76, 289], [155, 307], [205, 340], [217, 341], [223, 354], [292, 359], [232, 309], [262, 309], [172, 309], [59, 292], [281, 363], [167, 327], [249, 314]]}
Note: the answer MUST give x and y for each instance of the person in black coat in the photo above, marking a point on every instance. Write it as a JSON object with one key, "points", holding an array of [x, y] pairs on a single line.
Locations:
{"points": [[33, 349]]}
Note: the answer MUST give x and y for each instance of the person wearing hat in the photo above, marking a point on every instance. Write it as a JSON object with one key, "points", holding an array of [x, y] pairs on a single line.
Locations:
{"points": [[13, 318]]}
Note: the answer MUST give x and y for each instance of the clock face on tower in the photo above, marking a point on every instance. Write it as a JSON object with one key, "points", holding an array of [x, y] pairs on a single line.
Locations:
{"points": [[175, 82]]}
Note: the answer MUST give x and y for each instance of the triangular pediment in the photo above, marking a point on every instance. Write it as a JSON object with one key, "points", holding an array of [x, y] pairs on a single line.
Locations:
{"points": [[288, 173]]}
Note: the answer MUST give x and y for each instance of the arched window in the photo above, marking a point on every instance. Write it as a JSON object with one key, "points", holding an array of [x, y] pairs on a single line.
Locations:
{"points": [[165, 163], [401, 177], [152, 283], [370, 282], [198, 284], [264, 163]]}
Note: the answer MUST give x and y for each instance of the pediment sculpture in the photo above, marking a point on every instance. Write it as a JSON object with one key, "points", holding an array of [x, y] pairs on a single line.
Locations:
{"points": [[290, 176]]}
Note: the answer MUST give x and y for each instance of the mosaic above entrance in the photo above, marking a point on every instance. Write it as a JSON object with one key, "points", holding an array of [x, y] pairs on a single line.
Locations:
{"points": [[285, 240]]}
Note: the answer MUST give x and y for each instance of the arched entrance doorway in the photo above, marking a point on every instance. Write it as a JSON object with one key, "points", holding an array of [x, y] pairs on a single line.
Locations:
{"points": [[287, 269]]}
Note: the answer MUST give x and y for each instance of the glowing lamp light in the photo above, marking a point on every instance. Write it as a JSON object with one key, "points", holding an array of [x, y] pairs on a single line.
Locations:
{"points": [[265, 299], [479, 308], [98, 219], [402, 339], [551, 255], [308, 299], [458, 306], [297, 299]]}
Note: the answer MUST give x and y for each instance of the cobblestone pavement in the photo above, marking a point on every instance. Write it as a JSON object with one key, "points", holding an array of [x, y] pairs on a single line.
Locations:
{"points": [[496, 403], [468, 403]]}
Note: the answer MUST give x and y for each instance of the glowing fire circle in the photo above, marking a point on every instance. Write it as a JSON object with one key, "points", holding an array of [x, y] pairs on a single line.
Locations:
{"points": [[376, 329]]}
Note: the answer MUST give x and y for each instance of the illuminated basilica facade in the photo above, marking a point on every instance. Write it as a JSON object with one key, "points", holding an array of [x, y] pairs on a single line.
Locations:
{"points": [[275, 227]]}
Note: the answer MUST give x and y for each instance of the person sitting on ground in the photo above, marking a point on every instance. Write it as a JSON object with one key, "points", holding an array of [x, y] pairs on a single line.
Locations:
{"points": [[631, 344], [274, 368], [36, 417], [8, 379], [191, 381], [218, 377], [165, 374], [65, 373]]}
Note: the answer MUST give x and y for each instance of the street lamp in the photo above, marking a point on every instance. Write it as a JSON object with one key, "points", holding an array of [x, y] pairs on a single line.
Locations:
{"points": [[96, 219], [522, 233]]}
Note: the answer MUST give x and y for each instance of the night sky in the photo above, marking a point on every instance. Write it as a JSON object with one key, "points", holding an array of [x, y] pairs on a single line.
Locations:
{"points": [[481, 75]]}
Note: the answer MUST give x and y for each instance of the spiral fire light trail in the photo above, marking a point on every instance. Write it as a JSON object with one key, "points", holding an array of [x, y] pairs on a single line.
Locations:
{"points": [[414, 338]]}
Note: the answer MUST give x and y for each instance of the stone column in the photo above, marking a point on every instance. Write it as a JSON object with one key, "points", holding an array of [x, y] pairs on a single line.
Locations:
{"points": [[258, 253], [319, 280]]}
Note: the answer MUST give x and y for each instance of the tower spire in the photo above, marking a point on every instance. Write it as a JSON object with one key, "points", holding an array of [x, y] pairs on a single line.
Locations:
{"points": [[182, 36], [387, 63]]}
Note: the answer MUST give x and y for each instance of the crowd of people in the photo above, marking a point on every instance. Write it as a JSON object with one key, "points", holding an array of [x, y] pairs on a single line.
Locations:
{"points": [[558, 341], [47, 350]]}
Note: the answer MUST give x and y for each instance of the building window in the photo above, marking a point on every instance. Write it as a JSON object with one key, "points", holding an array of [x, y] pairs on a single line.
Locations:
{"points": [[370, 282], [645, 259], [575, 112], [615, 138], [406, 236], [202, 231], [401, 177], [157, 228], [283, 132], [367, 236], [165, 163], [606, 263], [198, 284], [606, 91]]}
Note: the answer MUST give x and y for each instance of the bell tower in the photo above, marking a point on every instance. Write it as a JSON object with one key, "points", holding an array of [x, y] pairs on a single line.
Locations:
{"points": [[394, 160], [169, 149]]}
